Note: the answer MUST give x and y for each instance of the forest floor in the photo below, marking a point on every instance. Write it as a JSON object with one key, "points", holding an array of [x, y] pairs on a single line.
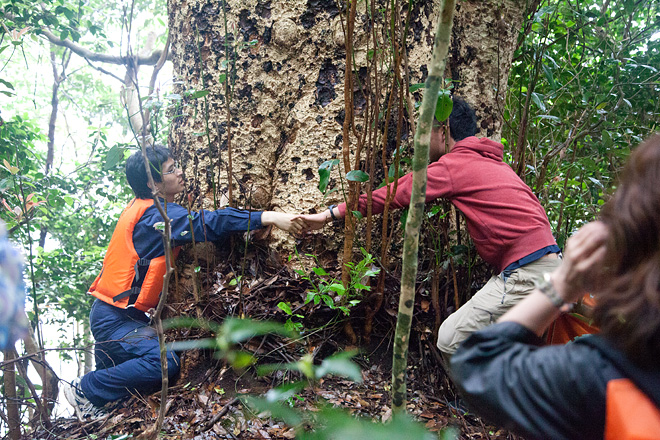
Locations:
{"points": [[205, 401]]}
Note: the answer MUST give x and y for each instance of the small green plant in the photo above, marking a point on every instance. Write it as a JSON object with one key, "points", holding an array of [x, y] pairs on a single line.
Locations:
{"points": [[331, 291], [290, 324], [359, 273]]}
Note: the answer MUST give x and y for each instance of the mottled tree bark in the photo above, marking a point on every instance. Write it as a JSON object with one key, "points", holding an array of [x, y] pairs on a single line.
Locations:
{"points": [[284, 64], [287, 64], [484, 38]]}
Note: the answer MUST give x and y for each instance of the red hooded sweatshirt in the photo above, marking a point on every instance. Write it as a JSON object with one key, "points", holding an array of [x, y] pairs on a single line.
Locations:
{"points": [[504, 218]]}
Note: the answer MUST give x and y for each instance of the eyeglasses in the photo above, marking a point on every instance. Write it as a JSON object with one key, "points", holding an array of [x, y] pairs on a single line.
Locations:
{"points": [[173, 170]]}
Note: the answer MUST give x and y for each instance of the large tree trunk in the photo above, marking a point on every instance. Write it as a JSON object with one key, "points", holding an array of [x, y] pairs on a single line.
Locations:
{"points": [[484, 38], [286, 100], [263, 99]]}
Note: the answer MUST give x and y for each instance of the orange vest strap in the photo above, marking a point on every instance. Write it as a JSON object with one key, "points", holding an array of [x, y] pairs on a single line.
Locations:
{"points": [[630, 414]]}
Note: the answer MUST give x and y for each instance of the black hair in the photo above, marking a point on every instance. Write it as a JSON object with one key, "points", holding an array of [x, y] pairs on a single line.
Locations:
{"points": [[462, 120], [137, 174]]}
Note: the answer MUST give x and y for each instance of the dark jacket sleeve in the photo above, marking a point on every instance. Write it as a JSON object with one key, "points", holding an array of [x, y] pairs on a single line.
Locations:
{"points": [[553, 392], [207, 226], [210, 225]]}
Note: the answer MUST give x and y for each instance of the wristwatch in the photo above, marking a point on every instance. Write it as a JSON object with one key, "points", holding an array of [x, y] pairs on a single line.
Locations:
{"points": [[332, 214], [548, 289]]}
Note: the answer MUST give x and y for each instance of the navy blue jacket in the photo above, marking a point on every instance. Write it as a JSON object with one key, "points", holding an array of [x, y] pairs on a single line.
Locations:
{"points": [[551, 392], [207, 226]]}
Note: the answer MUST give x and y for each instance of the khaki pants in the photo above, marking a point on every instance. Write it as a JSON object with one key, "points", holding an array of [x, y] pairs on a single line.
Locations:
{"points": [[491, 302]]}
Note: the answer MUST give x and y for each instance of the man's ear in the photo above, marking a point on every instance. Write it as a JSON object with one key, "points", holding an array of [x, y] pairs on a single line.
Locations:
{"points": [[150, 187]]}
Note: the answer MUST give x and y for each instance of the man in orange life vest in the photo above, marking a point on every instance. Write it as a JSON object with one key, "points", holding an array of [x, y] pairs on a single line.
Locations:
{"points": [[129, 285]]}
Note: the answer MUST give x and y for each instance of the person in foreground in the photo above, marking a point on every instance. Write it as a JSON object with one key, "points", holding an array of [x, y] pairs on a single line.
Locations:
{"points": [[508, 225], [129, 285], [560, 392]]}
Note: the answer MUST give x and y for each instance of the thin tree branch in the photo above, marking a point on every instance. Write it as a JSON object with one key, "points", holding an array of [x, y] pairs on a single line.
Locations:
{"points": [[102, 70], [148, 60]]}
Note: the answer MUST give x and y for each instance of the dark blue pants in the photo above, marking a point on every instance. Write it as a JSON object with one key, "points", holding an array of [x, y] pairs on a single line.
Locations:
{"points": [[127, 355]]}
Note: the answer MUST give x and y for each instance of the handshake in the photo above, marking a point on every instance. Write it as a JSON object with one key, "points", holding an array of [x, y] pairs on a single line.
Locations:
{"points": [[298, 224]]}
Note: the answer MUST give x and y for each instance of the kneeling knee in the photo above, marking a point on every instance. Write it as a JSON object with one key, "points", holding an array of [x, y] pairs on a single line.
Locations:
{"points": [[445, 338]]}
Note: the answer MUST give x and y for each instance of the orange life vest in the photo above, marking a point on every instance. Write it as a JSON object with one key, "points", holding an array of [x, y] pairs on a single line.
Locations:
{"points": [[569, 326], [630, 414], [127, 280]]}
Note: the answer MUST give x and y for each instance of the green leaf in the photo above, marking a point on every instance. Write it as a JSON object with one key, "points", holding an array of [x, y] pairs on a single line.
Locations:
{"points": [[194, 344], [549, 77], [595, 182], [320, 271], [357, 176], [357, 214], [443, 106], [276, 410], [324, 174], [340, 364], [199, 94], [222, 78], [283, 392], [538, 102], [115, 154], [607, 139], [240, 359], [324, 179], [328, 301], [550, 117], [285, 307], [7, 83], [414, 87], [337, 288], [238, 330]]}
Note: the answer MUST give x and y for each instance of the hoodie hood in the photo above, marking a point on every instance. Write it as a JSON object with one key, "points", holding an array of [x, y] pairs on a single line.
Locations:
{"points": [[484, 146]]}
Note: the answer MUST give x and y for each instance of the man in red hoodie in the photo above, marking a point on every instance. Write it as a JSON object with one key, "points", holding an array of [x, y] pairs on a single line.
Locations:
{"points": [[508, 225]]}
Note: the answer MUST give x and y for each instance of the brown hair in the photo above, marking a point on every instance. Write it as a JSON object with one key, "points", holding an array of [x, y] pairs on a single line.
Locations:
{"points": [[628, 310]]}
